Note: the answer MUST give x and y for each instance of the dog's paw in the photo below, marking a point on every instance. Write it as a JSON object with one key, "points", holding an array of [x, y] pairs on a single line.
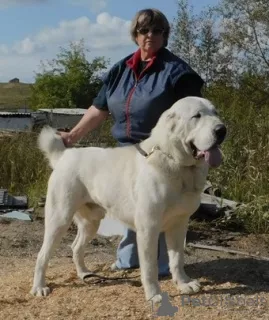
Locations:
{"points": [[40, 291], [156, 299], [191, 287]]}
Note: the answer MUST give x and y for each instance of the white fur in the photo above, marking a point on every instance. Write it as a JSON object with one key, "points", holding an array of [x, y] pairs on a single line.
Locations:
{"points": [[149, 195]]}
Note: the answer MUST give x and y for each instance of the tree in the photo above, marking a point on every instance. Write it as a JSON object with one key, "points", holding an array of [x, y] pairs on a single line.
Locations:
{"points": [[244, 32], [245, 27], [195, 38], [183, 37], [69, 81], [208, 43]]}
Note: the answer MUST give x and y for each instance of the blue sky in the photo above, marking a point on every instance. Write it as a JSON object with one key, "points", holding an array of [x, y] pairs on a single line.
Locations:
{"points": [[33, 30]]}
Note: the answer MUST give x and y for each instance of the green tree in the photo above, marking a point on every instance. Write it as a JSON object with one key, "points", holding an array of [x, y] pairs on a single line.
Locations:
{"points": [[244, 33], [245, 27], [183, 37], [69, 81], [195, 38]]}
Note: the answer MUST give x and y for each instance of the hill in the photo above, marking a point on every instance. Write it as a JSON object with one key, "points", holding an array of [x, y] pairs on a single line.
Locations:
{"points": [[14, 95]]}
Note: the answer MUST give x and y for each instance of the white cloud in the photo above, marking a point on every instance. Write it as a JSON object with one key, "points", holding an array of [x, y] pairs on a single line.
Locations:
{"points": [[8, 3], [3, 49], [106, 36], [106, 33], [25, 47], [94, 5]]}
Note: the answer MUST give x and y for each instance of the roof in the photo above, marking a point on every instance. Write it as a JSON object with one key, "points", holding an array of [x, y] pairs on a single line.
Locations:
{"points": [[69, 111], [6, 114]]}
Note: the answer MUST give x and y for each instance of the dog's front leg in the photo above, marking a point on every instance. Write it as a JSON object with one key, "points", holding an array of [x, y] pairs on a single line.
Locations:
{"points": [[175, 237], [147, 243]]}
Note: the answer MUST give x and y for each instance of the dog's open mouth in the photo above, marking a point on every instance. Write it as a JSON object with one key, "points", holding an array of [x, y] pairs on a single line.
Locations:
{"points": [[212, 156]]}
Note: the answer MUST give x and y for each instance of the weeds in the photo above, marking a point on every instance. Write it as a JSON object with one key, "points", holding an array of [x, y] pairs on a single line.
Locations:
{"points": [[23, 167], [244, 174]]}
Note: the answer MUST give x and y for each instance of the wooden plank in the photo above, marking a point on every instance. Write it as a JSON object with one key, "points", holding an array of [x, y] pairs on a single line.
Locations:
{"points": [[223, 249], [208, 199]]}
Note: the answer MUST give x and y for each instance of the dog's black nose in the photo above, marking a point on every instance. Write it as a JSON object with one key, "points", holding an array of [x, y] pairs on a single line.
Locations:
{"points": [[220, 132]]}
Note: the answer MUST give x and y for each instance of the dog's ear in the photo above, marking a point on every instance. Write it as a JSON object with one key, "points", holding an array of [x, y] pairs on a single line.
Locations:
{"points": [[171, 115], [171, 119]]}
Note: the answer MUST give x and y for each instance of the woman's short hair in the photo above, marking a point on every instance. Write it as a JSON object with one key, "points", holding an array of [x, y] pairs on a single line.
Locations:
{"points": [[150, 18]]}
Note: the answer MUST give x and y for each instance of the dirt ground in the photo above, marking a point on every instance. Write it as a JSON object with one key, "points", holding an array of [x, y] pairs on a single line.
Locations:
{"points": [[234, 287]]}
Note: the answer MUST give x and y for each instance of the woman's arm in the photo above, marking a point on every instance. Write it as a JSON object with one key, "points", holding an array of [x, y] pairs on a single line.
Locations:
{"points": [[91, 120]]}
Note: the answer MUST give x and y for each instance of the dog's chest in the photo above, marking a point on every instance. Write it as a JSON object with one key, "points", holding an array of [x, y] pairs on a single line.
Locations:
{"points": [[185, 193], [193, 179]]}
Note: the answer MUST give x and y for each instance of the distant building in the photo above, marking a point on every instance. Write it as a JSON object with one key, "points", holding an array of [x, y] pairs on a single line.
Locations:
{"points": [[62, 118], [15, 80]]}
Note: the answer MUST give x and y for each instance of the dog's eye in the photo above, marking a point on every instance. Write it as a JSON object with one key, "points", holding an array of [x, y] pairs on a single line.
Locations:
{"points": [[197, 115]]}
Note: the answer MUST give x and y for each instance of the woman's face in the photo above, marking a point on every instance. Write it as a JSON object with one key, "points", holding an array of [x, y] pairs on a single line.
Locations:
{"points": [[150, 39]]}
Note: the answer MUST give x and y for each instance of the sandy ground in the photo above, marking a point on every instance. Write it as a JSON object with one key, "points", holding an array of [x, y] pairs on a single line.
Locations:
{"points": [[234, 287]]}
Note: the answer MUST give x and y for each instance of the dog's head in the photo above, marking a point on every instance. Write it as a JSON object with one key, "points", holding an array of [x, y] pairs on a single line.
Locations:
{"points": [[193, 127]]}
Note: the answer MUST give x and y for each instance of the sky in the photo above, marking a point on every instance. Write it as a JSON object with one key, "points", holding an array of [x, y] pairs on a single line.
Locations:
{"points": [[33, 30]]}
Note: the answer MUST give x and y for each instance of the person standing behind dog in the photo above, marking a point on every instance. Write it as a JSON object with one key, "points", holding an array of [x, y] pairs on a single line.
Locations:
{"points": [[136, 91]]}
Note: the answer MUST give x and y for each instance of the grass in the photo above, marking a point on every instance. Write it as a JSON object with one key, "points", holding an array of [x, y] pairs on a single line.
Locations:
{"points": [[244, 174], [14, 95], [22, 166]]}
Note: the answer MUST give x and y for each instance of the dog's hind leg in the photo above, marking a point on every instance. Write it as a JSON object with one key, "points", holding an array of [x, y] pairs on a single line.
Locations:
{"points": [[87, 220], [58, 218]]}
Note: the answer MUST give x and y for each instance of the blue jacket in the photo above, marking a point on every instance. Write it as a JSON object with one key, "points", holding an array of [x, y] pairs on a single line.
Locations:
{"points": [[136, 101]]}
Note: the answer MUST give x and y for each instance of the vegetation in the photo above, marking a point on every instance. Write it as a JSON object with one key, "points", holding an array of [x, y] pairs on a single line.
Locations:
{"points": [[69, 81], [23, 167], [229, 46], [14, 96]]}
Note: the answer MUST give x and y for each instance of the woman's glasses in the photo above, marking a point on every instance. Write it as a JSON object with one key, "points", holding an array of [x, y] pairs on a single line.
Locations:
{"points": [[154, 31]]}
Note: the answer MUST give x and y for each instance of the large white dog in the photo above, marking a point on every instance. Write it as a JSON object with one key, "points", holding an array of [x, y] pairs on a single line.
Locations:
{"points": [[151, 187]]}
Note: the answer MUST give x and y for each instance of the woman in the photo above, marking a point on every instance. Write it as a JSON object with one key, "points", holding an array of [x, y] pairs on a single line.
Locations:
{"points": [[136, 91]]}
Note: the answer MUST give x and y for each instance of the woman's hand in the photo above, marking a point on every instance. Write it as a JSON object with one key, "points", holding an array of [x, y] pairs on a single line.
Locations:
{"points": [[66, 137], [92, 119]]}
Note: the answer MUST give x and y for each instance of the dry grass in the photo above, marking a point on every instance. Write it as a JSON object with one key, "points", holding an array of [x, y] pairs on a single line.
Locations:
{"points": [[22, 166], [14, 95], [244, 174]]}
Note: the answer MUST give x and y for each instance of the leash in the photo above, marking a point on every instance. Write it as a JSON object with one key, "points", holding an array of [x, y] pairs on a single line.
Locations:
{"points": [[101, 279]]}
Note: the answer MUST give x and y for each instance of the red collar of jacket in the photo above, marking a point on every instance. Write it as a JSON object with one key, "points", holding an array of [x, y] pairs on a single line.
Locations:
{"points": [[133, 62]]}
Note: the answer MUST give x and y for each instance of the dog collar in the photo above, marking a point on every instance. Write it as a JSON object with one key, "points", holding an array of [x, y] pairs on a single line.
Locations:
{"points": [[155, 148]]}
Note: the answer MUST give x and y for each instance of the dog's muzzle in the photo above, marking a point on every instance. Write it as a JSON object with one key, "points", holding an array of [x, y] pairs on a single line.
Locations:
{"points": [[212, 155]]}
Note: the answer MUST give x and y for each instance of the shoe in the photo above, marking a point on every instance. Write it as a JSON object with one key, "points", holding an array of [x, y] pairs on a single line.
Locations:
{"points": [[114, 267], [164, 274]]}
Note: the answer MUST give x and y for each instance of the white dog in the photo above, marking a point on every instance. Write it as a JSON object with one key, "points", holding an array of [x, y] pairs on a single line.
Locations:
{"points": [[152, 187]]}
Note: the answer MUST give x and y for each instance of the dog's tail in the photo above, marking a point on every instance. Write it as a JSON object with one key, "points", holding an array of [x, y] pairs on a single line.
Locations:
{"points": [[51, 144]]}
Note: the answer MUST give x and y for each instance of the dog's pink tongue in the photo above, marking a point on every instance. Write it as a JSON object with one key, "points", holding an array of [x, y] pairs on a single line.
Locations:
{"points": [[213, 157]]}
